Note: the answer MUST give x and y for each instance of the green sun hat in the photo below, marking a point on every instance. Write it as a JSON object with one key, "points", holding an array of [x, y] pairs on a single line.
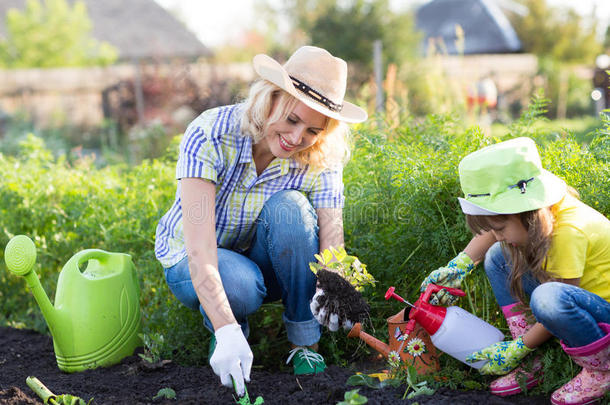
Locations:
{"points": [[507, 178]]}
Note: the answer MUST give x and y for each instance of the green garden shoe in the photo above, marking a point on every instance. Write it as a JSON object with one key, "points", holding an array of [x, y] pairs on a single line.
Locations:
{"points": [[211, 347], [306, 361]]}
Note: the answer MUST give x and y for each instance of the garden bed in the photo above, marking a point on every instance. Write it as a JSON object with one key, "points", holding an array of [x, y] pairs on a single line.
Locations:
{"points": [[24, 353]]}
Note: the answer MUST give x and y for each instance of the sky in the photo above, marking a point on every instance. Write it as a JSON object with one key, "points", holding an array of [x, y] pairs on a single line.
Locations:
{"points": [[218, 22]]}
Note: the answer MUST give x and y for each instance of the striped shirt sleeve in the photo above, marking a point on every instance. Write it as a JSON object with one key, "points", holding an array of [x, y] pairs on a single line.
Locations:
{"points": [[199, 156], [327, 191]]}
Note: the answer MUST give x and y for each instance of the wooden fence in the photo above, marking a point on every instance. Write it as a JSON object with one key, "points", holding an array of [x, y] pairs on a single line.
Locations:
{"points": [[84, 96], [75, 96]]}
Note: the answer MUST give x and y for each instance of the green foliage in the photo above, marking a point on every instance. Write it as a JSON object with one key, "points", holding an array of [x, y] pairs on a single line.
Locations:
{"points": [[165, 393], [372, 382], [349, 267], [153, 344], [347, 29], [416, 385], [245, 399], [353, 398], [67, 399], [562, 35], [52, 34]]}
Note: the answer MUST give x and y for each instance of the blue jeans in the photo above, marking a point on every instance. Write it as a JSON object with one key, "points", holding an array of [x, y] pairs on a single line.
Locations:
{"points": [[275, 267], [568, 312]]}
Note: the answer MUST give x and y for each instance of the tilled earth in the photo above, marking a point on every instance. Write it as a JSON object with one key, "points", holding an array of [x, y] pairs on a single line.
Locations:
{"points": [[26, 353]]}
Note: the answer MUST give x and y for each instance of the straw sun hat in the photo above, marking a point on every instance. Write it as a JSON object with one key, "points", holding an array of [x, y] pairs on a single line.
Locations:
{"points": [[315, 77], [507, 178]]}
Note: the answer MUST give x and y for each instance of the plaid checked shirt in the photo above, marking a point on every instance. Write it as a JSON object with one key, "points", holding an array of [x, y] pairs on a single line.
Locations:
{"points": [[214, 148]]}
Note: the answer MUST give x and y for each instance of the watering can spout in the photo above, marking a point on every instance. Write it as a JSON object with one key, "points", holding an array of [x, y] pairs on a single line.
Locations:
{"points": [[356, 332], [20, 257]]}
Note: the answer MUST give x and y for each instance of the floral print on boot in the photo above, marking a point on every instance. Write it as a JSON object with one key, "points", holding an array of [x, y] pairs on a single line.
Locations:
{"points": [[594, 380], [508, 384]]}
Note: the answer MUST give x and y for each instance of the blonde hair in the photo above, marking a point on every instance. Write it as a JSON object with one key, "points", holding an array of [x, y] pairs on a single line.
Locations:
{"points": [[332, 144]]}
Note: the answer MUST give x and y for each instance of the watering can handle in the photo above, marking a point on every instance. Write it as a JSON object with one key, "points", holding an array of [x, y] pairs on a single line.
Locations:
{"points": [[433, 288], [88, 254]]}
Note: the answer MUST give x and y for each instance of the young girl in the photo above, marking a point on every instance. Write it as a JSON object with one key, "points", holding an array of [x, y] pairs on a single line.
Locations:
{"points": [[539, 243], [259, 193]]}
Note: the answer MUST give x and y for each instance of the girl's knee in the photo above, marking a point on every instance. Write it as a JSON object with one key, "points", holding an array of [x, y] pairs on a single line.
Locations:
{"points": [[548, 301], [495, 261]]}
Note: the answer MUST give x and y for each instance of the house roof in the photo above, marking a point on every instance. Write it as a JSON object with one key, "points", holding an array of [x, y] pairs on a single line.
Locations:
{"points": [[486, 28], [139, 29]]}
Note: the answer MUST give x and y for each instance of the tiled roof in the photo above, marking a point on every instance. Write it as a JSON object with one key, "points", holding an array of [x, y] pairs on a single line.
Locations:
{"points": [[486, 28]]}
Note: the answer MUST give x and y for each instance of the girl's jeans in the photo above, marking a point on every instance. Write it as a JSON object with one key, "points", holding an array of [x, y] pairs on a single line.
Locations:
{"points": [[568, 312], [275, 267]]}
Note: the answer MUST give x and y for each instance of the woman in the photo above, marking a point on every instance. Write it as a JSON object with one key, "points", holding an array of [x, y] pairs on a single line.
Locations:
{"points": [[542, 245], [259, 193]]}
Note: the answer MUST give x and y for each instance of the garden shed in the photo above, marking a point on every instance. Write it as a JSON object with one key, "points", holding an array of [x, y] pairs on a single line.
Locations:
{"points": [[485, 27]]}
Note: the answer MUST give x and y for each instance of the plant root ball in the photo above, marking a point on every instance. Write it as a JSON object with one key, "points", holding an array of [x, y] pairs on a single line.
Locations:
{"points": [[341, 298]]}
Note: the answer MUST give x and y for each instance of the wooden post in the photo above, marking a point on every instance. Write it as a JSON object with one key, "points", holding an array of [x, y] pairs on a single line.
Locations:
{"points": [[138, 90], [562, 97], [378, 69]]}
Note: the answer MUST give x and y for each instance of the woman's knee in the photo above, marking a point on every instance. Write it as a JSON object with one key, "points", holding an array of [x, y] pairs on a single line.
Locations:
{"points": [[289, 213], [242, 281], [178, 280], [245, 295]]}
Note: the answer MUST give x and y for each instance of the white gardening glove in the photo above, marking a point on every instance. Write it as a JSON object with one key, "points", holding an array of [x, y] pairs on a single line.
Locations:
{"points": [[232, 357], [336, 302]]}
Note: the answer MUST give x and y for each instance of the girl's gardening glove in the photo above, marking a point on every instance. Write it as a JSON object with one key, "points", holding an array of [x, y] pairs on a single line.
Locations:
{"points": [[232, 357], [502, 356], [336, 302], [449, 276]]}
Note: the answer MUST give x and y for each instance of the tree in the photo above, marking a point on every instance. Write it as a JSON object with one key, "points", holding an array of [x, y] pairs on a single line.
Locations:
{"points": [[52, 34], [348, 29], [562, 35]]}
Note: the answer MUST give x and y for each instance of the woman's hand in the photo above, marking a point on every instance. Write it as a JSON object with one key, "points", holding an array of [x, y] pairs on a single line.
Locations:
{"points": [[336, 302], [232, 357], [502, 356]]}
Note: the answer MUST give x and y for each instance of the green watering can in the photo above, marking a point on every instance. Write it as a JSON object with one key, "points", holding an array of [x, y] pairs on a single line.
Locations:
{"points": [[96, 318]]}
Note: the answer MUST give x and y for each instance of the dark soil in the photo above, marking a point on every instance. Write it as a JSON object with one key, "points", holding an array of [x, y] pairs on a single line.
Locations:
{"points": [[346, 302], [26, 353]]}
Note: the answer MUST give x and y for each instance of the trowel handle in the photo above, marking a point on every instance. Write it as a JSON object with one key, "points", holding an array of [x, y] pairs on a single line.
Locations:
{"points": [[433, 288]]}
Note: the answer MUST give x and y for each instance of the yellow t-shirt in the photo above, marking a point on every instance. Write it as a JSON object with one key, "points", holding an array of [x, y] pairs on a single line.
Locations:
{"points": [[580, 247]]}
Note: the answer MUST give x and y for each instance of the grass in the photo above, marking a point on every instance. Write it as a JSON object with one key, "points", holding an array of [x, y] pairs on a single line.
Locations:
{"points": [[581, 128]]}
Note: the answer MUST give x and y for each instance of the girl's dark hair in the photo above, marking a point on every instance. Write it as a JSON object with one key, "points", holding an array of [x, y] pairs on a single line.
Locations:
{"points": [[527, 259]]}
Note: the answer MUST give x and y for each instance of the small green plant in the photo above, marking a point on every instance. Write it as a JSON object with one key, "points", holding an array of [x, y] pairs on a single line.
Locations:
{"points": [[49, 398], [372, 382], [165, 393], [416, 385], [153, 343], [349, 267], [353, 398]]}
